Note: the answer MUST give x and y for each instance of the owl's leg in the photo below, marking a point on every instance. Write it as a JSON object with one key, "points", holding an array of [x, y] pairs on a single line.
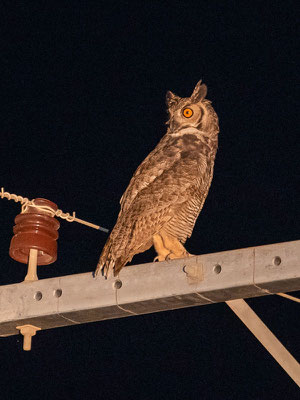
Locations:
{"points": [[161, 250], [176, 249]]}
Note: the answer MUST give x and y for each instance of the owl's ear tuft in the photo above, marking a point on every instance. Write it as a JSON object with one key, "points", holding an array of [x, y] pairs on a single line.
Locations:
{"points": [[171, 99], [199, 92]]}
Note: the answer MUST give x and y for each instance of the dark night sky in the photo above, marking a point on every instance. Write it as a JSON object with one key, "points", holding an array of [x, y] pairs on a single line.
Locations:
{"points": [[83, 104]]}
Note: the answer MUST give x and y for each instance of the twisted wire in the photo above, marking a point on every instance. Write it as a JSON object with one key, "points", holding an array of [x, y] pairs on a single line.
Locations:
{"points": [[26, 203]]}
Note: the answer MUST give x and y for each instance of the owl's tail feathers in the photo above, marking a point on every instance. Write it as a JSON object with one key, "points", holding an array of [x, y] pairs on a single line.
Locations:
{"points": [[108, 265]]}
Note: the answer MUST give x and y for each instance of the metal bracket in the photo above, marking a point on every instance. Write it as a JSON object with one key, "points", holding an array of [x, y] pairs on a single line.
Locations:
{"points": [[194, 270]]}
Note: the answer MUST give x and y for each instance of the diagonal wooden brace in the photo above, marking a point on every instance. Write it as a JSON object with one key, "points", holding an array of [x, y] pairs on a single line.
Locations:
{"points": [[266, 338]]}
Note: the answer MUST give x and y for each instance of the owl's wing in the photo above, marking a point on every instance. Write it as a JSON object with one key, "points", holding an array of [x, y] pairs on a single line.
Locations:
{"points": [[162, 157], [172, 199]]}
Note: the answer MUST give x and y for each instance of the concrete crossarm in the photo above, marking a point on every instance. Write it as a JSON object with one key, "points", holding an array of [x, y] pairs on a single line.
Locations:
{"points": [[153, 287]]}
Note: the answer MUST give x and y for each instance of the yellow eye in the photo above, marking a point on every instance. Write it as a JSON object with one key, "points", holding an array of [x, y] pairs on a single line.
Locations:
{"points": [[187, 112]]}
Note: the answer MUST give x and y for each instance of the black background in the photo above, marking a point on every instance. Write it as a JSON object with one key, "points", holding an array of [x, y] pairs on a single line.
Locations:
{"points": [[83, 104]]}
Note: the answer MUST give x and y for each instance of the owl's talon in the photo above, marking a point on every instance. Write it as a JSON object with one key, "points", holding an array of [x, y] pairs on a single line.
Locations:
{"points": [[168, 257], [159, 258], [172, 256]]}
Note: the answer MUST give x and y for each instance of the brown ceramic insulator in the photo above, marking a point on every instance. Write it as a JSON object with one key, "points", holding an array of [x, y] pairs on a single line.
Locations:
{"points": [[35, 229]]}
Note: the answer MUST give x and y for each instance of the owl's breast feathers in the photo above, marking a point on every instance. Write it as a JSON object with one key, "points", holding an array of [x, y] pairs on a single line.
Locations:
{"points": [[167, 190]]}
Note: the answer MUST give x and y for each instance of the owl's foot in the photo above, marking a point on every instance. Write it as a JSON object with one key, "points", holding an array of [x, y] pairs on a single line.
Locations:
{"points": [[161, 250], [168, 247]]}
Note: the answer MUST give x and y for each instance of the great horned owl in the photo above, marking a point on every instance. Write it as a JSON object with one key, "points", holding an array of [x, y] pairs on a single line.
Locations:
{"points": [[167, 192]]}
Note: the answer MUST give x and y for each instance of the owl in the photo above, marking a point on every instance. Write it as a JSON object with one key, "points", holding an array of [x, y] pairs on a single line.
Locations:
{"points": [[167, 191]]}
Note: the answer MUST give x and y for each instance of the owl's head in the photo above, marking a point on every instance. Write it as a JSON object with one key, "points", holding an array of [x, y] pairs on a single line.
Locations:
{"points": [[194, 111]]}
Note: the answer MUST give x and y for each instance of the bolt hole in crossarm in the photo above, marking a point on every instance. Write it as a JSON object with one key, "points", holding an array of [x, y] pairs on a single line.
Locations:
{"points": [[117, 284], [38, 296], [57, 293], [217, 269], [276, 261]]}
